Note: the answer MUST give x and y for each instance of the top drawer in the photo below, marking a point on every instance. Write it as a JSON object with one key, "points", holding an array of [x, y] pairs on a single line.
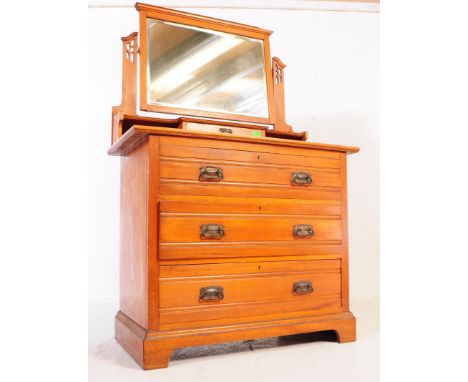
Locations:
{"points": [[248, 153], [246, 169]]}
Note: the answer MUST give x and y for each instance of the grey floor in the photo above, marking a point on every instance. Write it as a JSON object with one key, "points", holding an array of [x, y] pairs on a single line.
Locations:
{"points": [[307, 357]]}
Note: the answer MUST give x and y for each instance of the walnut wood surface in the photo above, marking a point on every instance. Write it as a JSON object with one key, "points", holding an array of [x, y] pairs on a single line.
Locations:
{"points": [[165, 262]]}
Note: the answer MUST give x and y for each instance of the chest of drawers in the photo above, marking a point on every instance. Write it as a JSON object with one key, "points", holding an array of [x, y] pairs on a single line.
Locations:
{"points": [[229, 238]]}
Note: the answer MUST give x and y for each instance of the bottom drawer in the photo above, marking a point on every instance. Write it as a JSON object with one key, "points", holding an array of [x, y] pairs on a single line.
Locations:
{"points": [[216, 291]]}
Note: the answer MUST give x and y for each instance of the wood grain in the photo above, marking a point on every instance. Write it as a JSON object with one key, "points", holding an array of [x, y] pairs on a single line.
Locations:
{"points": [[183, 315], [259, 267], [258, 145], [165, 262], [185, 228], [185, 291], [189, 169], [129, 85], [153, 232], [173, 187], [232, 205], [204, 250], [133, 235]]}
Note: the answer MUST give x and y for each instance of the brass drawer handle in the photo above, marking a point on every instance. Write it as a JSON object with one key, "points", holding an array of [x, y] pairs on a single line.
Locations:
{"points": [[303, 230], [211, 293], [211, 174], [301, 179], [302, 287], [211, 231]]}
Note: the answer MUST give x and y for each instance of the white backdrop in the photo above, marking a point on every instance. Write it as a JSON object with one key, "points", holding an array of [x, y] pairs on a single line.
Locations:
{"points": [[332, 90]]}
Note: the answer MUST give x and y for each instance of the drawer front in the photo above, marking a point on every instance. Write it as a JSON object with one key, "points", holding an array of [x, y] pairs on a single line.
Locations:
{"points": [[248, 171], [216, 291], [290, 176], [185, 228], [173, 187], [251, 227], [248, 153], [261, 206]]}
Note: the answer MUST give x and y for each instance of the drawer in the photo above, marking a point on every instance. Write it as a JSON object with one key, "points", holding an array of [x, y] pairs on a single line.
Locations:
{"points": [[247, 190], [261, 206], [186, 228], [211, 171], [225, 172], [216, 291], [247, 153]]}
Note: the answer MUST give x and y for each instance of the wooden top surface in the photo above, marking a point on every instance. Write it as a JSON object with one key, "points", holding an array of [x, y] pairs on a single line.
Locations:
{"points": [[136, 134]]}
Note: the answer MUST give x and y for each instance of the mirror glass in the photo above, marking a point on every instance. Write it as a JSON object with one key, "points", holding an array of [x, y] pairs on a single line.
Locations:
{"points": [[201, 69]]}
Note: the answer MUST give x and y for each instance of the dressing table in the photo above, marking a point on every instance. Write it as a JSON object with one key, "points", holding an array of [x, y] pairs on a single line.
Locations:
{"points": [[233, 227]]}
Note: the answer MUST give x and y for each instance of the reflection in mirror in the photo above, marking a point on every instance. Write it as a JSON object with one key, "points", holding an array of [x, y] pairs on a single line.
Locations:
{"points": [[194, 68]]}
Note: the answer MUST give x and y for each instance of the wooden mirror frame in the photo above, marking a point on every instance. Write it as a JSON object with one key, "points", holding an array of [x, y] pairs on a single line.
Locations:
{"points": [[184, 18], [125, 115]]}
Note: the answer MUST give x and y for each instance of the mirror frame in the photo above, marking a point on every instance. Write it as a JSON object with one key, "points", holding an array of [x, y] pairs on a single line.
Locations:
{"points": [[185, 18]]}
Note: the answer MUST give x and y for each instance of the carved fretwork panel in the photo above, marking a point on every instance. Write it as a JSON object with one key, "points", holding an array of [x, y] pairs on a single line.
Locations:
{"points": [[131, 50], [278, 94], [278, 74]]}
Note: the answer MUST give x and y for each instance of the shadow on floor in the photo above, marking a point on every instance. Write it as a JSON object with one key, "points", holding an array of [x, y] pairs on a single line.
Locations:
{"points": [[242, 346]]}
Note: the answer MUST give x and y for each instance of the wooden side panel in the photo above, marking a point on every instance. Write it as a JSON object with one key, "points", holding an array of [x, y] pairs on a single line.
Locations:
{"points": [[134, 235], [344, 222], [153, 232], [129, 86]]}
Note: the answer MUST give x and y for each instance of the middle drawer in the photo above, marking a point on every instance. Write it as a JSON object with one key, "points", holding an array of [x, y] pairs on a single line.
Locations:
{"points": [[187, 228]]}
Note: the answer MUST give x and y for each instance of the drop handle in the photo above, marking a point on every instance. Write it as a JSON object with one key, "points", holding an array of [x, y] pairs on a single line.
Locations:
{"points": [[211, 231], [303, 231], [210, 174], [211, 293], [301, 178], [302, 287]]}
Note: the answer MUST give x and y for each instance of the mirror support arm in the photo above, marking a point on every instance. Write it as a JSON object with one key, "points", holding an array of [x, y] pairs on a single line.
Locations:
{"points": [[129, 84], [278, 95]]}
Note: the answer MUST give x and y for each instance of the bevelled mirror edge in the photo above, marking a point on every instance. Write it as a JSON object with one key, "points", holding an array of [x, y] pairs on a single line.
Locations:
{"points": [[210, 24]]}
